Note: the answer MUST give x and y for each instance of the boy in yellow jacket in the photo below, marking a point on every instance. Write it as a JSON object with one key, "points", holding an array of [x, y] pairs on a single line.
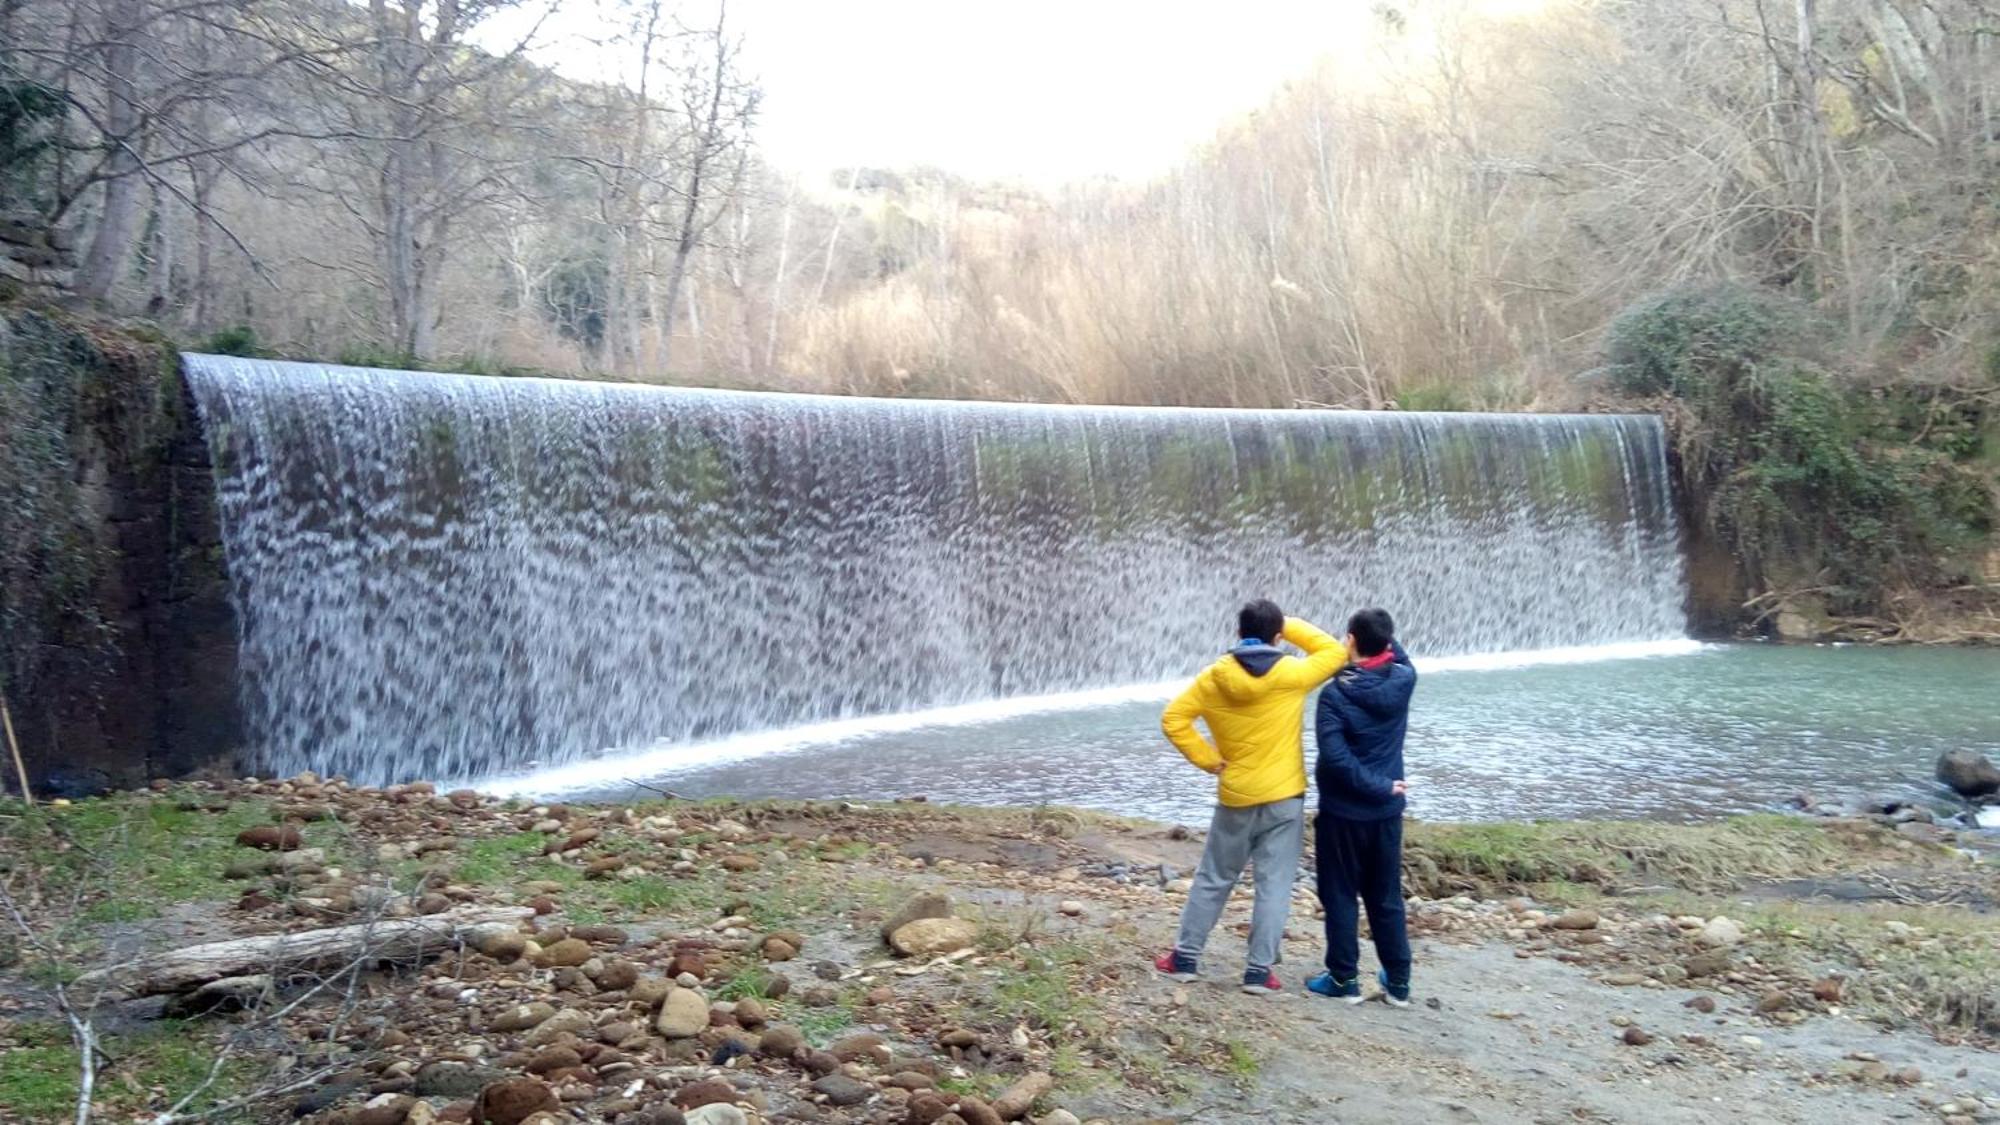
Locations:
{"points": [[1254, 702]]}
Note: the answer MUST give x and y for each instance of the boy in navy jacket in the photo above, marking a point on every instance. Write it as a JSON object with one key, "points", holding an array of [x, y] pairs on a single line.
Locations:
{"points": [[1362, 717]]}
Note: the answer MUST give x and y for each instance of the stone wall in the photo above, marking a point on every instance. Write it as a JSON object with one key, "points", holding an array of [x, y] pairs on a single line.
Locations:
{"points": [[117, 640]]}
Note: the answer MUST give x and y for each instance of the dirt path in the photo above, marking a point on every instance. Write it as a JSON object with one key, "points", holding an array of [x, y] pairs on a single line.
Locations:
{"points": [[1560, 1057]]}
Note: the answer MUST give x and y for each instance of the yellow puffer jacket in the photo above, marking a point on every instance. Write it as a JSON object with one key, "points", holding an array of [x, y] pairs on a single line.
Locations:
{"points": [[1257, 754]]}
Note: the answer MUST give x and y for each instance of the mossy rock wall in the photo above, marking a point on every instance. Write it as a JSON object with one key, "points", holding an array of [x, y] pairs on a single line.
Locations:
{"points": [[117, 640]]}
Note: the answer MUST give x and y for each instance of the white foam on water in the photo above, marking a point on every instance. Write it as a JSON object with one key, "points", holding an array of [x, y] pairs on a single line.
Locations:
{"points": [[666, 759]]}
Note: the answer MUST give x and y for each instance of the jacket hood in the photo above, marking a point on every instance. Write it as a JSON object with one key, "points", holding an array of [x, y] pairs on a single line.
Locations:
{"points": [[1243, 676], [1257, 658], [1379, 691]]}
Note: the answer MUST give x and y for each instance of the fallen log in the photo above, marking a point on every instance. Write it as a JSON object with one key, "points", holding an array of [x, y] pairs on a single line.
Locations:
{"points": [[285, 955]]}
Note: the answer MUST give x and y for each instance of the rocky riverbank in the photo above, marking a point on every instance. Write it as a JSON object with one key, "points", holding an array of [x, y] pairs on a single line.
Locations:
{"points": [[263, 951]]}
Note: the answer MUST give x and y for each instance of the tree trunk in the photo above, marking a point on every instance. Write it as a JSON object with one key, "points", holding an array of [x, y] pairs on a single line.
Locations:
{"points": [[118, 219]]}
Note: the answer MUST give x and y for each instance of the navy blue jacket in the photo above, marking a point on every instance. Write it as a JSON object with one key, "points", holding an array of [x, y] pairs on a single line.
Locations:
{"points": [[1362, 717]]}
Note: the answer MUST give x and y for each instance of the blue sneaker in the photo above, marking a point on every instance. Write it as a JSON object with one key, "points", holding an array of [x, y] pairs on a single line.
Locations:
{"points": [[1176, 965], [1324, 985], [1398, 995]]}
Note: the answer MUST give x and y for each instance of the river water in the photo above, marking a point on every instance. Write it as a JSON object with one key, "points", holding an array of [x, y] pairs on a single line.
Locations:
{"points": [[1685, 733]]}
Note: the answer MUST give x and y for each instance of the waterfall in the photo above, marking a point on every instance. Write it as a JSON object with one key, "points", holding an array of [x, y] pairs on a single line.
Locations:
{"points": [[451, 575]]}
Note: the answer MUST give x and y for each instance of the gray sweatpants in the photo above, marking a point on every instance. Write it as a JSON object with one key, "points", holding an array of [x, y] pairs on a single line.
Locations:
{"points": [[1266, 836]]}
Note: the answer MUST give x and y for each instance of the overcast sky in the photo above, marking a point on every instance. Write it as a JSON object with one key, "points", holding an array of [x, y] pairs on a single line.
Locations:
{"points": [[1042, 90], [1046, 90]]}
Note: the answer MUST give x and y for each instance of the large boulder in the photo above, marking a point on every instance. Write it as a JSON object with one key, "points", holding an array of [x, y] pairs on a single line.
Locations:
{"points": [[926, 904], [683, 1014], [1969, 773], [927, 937]]}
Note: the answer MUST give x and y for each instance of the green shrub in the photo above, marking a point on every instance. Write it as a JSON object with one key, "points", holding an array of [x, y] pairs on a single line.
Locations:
{"points": [[1811, 478], [240, 340], [1686, 341]]}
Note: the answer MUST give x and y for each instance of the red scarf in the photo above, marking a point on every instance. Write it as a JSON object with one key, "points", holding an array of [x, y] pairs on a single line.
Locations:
{"points": [[1370, 663]]}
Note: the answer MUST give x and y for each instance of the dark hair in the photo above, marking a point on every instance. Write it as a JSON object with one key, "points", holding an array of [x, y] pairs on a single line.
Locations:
{"points": [[1260, 620], [1372, 631]]}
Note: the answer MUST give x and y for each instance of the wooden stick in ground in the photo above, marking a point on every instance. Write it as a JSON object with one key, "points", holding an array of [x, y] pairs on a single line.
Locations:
{"points": [[20, 770]]}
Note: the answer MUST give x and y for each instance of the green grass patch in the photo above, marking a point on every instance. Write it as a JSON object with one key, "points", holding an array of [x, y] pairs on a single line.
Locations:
{"points": [[750, 980], [821, 1026], [127, 857], [497, 858], [1933, 967], [1049, 991], [1243, 1061], [40, 1075], [1442, 859]]}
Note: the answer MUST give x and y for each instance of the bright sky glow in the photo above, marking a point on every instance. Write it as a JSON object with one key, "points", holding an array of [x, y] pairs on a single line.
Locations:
{"points": [[1040, 90]]}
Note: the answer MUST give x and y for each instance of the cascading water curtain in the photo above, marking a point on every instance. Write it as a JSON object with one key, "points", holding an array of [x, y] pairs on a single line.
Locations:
{"points": [[443, 575]]}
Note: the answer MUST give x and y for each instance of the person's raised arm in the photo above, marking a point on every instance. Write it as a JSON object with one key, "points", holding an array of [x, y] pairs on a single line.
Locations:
{"points": [[1330, 725], [1325, 654], [1177, 723]]}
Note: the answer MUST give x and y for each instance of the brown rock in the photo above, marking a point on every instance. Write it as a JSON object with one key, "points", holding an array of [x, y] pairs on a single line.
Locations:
{"points": [[603, 867], [778, 949], [648, 991], [958, 1037], [880, 994], [926, 1109], [750, 1012], [1577, 920], [928, 904], [912, 1080], [1712, 963], [463, 798], [683, 1014], [1828, 990], [1773, 1001], [542, 904], [780, 1041], [977, 1112], [930, 937], [707, 1091], [575, 841], [553, 1058], [271, 837], [740, 862], [610, 936], [568, 1022], [1704, 1003], [617, 975], [1019, 1098], [821, 1062], [504, 946], [1637, 1037], [687, 961], [521, 1017], [567, 953], [511, 1101], [860, 1046]]}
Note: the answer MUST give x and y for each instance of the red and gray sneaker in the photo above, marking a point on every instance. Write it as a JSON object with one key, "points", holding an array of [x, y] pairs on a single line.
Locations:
{"points": [[1260, 982], [1175, 965]]}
